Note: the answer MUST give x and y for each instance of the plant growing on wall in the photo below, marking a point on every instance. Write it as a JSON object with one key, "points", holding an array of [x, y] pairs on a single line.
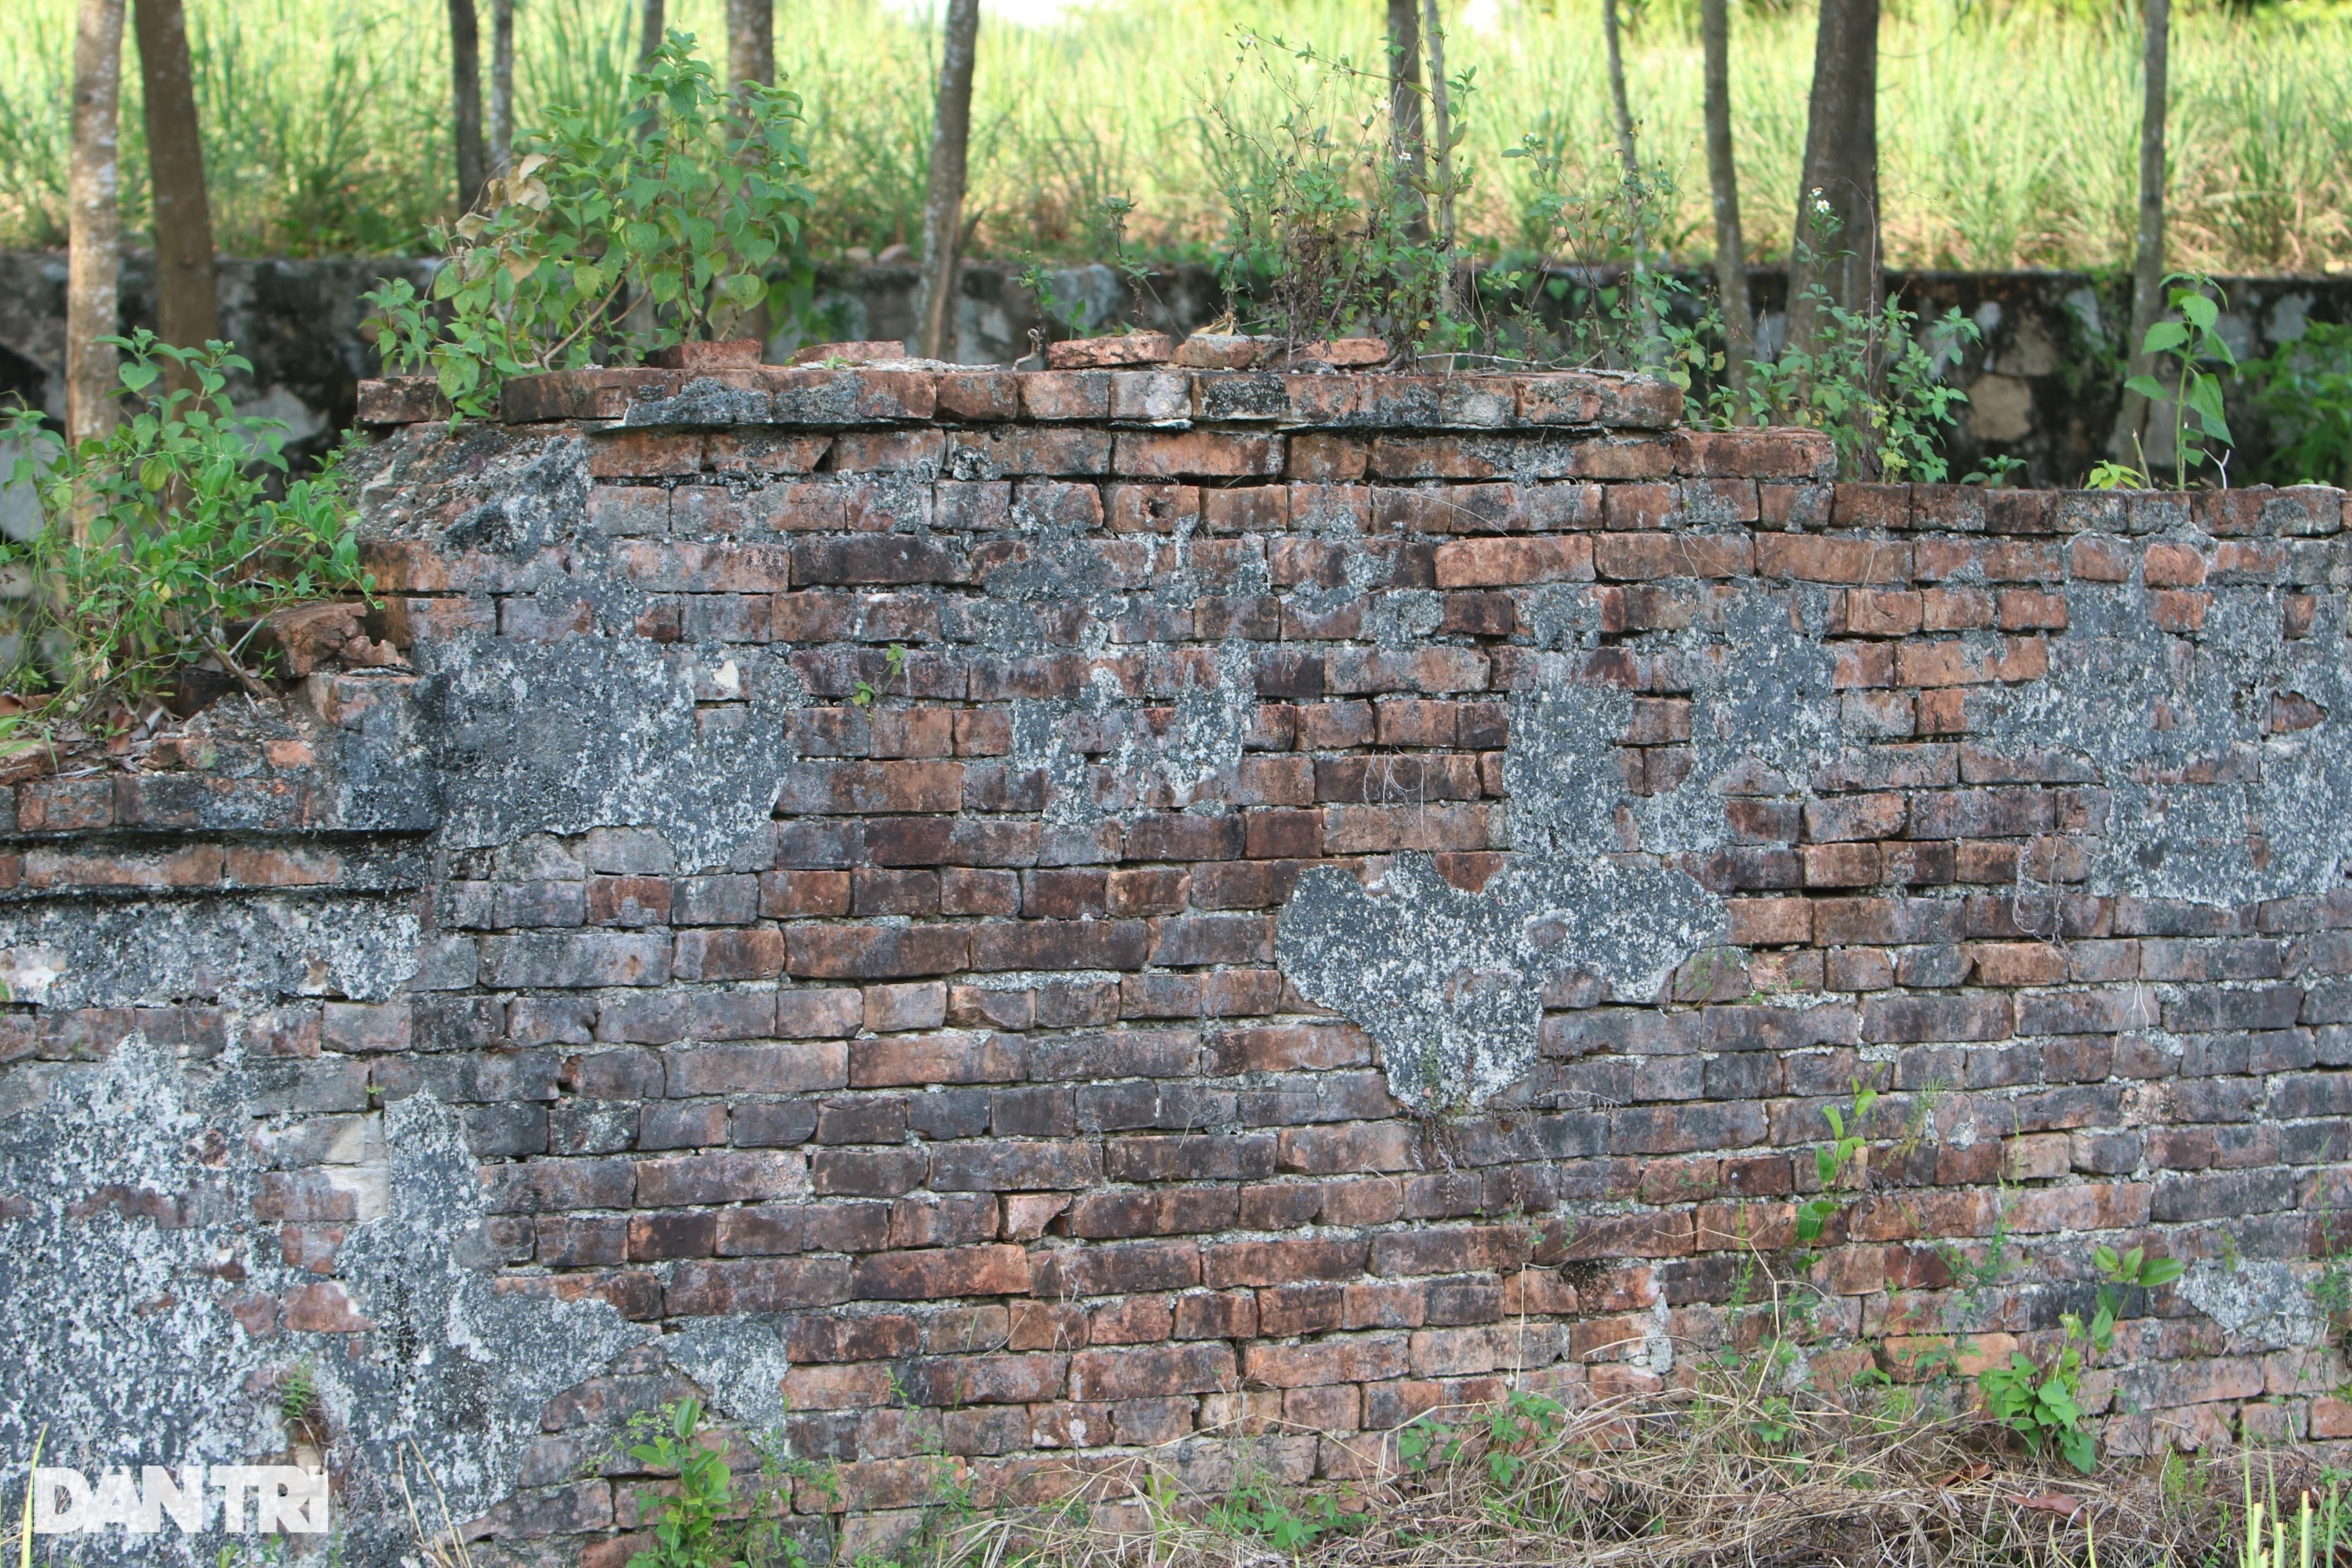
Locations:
{"points": [[160, 545], [1324, 237], [2190, 349], [675, 227]]}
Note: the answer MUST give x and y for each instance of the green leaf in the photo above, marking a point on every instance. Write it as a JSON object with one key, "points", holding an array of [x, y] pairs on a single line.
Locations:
{"points": [[2163, 337], [2148, 387], [2198, 308], [2161, 1271]]}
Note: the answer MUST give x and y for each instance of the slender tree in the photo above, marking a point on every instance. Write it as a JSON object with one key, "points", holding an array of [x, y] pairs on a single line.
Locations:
{"points": [[2147, 259], [1629, 165], [94, 221], [466, 72], [751, 41], [501, 85], [1723, 179], [652, 28], [187, 291], [943, 205], [1840, 173], [1406, 146], [1441, 154]]}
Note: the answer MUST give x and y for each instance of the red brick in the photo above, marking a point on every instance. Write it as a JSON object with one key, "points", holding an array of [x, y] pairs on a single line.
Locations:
{"points": [[1637, 557], [925, 1276], [1507, 562], [1153, 1372], [1203, 454]]}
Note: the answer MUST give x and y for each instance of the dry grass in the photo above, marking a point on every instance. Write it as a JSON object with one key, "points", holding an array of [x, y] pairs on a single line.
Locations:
{"points": [[1717, 1475]]}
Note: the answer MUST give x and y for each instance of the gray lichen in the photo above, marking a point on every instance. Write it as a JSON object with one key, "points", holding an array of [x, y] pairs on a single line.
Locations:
{"points": [[598, 731], [2221, 756], [87, 953], [141, 1297]]}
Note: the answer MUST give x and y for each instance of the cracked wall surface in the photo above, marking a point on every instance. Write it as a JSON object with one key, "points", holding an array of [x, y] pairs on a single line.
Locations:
{"points": [[989, 925]]}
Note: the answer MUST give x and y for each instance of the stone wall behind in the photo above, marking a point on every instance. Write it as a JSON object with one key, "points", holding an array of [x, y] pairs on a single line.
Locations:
{"points": [[2042, 383], [999, 922]]}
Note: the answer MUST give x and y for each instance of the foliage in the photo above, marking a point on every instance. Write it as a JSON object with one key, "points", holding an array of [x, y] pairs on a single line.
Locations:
{"points": [[2044, 1405], [689, 210], [1830, 1161], [1262, 1512], [1319, 241], [686, 1524], [2008, 131], [1514, 1426], [1873, 380], [2305, 389], [2186, 345], [161, 545]]}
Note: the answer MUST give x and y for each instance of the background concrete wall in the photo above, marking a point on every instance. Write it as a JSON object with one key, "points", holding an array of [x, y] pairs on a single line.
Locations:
{"points": [[2042, 384]]}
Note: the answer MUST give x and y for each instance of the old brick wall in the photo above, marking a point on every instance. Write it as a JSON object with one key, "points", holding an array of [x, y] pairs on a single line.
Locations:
{"points": [[999, 920]]}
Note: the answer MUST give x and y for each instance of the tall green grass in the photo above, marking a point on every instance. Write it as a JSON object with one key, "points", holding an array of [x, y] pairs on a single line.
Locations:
{"points": [[2009, 129]]}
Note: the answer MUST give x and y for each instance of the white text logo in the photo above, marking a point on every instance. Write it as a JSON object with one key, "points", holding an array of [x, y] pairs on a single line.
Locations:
{"points": [[287, 1500]]}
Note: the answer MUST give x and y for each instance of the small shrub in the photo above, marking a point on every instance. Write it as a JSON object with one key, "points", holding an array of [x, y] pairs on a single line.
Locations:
{"points": [[160, 545], [611, 243], [2305, 388]]}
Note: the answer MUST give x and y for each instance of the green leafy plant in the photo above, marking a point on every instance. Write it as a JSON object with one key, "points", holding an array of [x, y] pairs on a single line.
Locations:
{"points": [[2044, 1405], [1320, 234], [1831, 1162], [1873, 383], [685, 1526], [161, 544], [2122, 1271], [1873, 380], [1258, 1511], [2305, 388], [606, 243], [2188, 346]]}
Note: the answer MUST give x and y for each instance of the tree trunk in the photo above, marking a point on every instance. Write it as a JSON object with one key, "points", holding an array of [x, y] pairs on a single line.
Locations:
{"points": [[94, 242], [943, 206], [2147, 261], [1629, 164], [187, 291], [1840, 173], [1406, 147], [651, 31], [751, 41], [1441, 113], [1723, 177], [466, 74], [501, 86]]}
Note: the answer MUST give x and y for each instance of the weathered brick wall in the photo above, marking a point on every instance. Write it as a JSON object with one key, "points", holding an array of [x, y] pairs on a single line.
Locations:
{"points": [[996, 921]]}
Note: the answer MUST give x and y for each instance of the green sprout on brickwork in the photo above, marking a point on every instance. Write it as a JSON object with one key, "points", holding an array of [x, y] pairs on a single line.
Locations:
{"points": [[1832, 1160], [894, 666]]}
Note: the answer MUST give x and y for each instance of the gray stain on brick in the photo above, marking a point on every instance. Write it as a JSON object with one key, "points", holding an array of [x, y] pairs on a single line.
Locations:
{"points": [[127, 1247], [598, 731], [1451, 982], [86, 954], [2219, 762]]}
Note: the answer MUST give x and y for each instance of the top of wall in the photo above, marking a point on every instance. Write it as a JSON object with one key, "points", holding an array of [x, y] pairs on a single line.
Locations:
{"points": [[916, 392]]}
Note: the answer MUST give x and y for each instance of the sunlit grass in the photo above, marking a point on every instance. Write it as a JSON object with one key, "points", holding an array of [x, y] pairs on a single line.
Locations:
{"points": [[2008, 134]]}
